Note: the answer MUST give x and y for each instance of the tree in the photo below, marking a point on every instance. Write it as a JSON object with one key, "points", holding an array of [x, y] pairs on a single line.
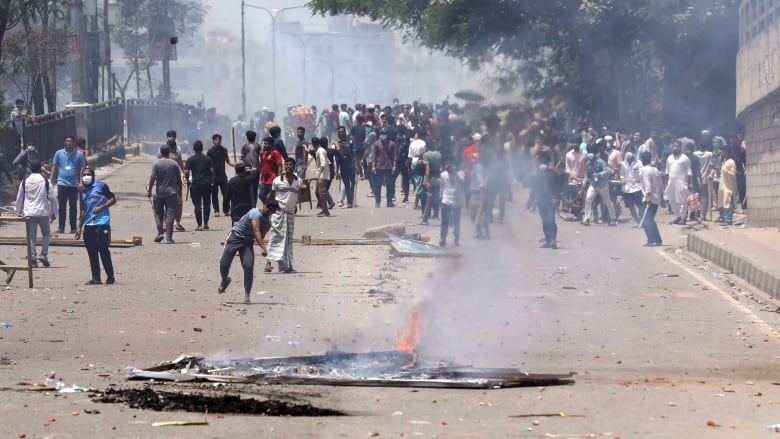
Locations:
{"points": [[141, 27], [35, 44], [33, 57], [618, 58]]}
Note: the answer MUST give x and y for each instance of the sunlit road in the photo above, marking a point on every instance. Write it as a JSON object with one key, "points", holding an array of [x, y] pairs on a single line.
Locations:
{"points": [[660, 347]]}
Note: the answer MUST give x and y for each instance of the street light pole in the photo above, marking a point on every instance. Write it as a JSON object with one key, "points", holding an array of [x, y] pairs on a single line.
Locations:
{"points": [[243, 64], [332, 68], [274, 14], [304, 44]]}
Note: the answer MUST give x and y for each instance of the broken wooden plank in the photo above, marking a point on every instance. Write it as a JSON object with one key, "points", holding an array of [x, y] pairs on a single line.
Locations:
{"points": [[308, 240], [71, 242]]}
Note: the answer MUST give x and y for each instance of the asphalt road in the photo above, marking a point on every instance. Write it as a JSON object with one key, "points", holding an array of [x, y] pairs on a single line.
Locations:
{"points": [[662, 347]]}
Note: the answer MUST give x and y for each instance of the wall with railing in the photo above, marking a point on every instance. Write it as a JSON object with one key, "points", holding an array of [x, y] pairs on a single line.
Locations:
{"points": [[99, 124]]}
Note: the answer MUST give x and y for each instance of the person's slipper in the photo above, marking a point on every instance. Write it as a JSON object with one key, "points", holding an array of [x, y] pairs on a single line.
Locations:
{"points": [[223, 286], [180, 228], [159, 238]]}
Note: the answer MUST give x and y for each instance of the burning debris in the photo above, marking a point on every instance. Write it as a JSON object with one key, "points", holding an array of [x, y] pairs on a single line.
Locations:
{"points": [[380, 369], [400, 367]]}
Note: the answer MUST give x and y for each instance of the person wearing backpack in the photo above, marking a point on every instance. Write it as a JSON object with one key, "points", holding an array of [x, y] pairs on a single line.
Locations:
{"points": [[36, 200]]}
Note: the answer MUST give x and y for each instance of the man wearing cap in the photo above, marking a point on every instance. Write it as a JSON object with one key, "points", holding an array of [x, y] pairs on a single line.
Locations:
{"points": [[239, 194]]}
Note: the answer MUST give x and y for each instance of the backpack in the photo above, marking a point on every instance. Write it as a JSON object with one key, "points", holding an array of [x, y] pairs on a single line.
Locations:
{"points": [[24, 183]]}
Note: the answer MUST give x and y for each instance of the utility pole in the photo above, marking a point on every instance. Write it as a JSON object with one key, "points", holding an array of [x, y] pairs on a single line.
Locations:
{"points": [[108, 78], [77, 43], [243, 63]]}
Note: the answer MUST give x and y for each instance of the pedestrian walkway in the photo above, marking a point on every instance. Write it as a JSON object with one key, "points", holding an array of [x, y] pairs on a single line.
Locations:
{"points": [[750, 253]]}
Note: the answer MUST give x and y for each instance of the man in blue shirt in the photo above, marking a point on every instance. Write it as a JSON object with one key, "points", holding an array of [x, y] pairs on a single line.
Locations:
{"points": [[251, 228], [65, 174], [95, 221]]}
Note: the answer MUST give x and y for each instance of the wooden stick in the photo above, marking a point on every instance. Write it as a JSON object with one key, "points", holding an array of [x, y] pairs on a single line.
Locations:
{"points": [[233, 138], [72, 241]]}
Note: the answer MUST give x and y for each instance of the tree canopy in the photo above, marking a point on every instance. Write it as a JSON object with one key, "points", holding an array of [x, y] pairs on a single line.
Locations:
{"points": [[145, 22], [639, 62]]}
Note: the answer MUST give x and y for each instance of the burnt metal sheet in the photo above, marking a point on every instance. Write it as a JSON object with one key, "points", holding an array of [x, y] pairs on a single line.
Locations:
{"points": [[372, 369]]}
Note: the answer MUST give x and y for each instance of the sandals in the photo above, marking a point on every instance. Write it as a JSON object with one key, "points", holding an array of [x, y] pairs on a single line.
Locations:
{"points": [[223, 286]]}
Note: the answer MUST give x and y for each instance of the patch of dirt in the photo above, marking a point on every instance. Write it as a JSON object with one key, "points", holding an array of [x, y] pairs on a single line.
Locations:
{"points": [[149, 399]]}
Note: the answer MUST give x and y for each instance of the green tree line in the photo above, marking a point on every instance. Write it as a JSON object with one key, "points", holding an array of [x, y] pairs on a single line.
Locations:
{"points": [[632, 62]]}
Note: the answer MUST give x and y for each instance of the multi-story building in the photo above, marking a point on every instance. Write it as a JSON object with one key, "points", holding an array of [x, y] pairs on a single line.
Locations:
{"points": [[758, 106]]}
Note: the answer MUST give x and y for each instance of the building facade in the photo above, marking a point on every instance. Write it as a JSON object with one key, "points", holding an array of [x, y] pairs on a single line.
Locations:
{"points": [[758, 106]]}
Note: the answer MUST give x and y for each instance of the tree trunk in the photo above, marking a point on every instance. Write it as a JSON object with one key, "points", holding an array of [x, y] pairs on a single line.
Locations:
{"points": [[50, 90], [149, 80], [37, 94], [5, 7]]}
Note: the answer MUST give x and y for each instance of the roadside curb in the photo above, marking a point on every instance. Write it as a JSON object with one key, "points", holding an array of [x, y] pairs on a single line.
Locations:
{"points": [[739, 265]]}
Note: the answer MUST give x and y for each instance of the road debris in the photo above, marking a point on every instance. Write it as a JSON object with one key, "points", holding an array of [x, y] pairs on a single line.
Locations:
{"points": [[546, 415], [179, 423]]}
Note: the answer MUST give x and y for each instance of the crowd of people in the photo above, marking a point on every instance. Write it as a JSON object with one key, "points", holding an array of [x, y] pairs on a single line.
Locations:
{"points": [[437, 159]]}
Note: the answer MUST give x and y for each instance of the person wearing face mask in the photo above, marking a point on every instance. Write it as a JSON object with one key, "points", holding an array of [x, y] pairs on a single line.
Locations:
{"points": [[95, 224]]}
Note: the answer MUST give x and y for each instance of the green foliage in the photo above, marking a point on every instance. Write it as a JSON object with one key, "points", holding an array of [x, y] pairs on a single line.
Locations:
{"points": [[34, 44], [32, 53], [614, 55], [142, 20]]}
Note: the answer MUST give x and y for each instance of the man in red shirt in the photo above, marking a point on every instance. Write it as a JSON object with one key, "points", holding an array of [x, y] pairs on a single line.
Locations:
{"points": [[270, 167]]}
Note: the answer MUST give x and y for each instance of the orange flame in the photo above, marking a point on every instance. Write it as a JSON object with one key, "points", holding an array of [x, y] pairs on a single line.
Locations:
{"points": [[407, 339]]}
